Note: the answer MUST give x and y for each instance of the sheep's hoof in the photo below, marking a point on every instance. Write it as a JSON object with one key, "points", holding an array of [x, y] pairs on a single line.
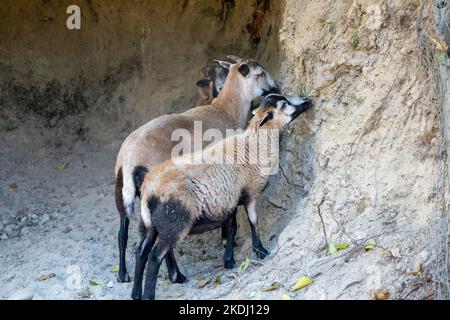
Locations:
{"points": [[261, 252], [229, 264], [179, 278], [136, 296], [122, 278]]}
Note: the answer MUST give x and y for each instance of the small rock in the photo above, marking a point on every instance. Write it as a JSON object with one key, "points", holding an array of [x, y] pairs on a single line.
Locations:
{"points": [[85, 293], [110, 284], [45, 218], [332, 128], [425, 255], [4, 236], [395, 252], [344, 183], [22, 294], [25, 230]]}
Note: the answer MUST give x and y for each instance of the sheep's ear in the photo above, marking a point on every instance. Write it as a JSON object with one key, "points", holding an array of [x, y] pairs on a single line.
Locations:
{"points": [[268, 116], [258, 70], [244, 69], [223, 64], [203, 83], [234, 58]]}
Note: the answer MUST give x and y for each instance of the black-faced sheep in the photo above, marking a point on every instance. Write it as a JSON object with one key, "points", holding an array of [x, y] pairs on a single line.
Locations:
{"points": [[181, 197]]}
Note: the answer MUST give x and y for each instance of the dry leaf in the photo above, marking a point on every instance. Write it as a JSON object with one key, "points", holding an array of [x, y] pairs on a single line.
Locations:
{"points": [[285, 296], [416, 272], [115, 268], [381, 294], [45, 277], [273, 286], [302, 282], [203, 282], [12, 186]]}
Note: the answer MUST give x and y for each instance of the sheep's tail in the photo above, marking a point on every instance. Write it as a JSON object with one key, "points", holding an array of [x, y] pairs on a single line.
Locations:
{"points": [[132, 181], [146, 211]]}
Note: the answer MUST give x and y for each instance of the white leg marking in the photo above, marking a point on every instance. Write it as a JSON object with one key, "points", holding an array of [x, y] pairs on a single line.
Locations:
{"points": [[145, 213], [251, 211]]}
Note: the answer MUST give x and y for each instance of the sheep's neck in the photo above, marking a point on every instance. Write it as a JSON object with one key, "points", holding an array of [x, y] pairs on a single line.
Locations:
{"points": [[235, 104]]}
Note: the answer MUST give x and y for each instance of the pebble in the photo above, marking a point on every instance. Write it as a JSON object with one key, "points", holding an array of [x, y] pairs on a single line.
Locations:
{"points": [[4, 236], [45, 218], [25, 230], [425, 255], [110, 284], [22, 294], [395, 252]]}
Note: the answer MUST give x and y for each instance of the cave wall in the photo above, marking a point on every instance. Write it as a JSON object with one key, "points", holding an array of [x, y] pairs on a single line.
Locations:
{"points": [[131, 60]]}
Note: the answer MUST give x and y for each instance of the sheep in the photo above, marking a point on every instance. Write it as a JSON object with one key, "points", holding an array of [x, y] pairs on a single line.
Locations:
{"points": [[151, 144], [179, 197], [213, 79]]}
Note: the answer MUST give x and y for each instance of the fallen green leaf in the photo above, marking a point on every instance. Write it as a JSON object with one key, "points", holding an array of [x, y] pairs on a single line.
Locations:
{"points": [[244, 265], [332, 248], [285, 296], [203, 282], [273, 286], [342, 246], [95, 282], [302, 282], [45, 277], [252, 294], [218, 281], [115, 268], [370, 244], [62, 166]]}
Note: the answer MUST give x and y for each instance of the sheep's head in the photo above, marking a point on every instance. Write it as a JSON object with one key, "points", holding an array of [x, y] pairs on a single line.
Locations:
{"points": [[254, 80], [278, 110], [213, 80]]}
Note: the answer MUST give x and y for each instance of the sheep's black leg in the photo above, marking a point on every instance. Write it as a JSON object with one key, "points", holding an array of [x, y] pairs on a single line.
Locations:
{"points": [[224, 236], [175, 274], [122, 276], [258, 248], [123, 231], [155, 258], [142, 252], [230, 226]]}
